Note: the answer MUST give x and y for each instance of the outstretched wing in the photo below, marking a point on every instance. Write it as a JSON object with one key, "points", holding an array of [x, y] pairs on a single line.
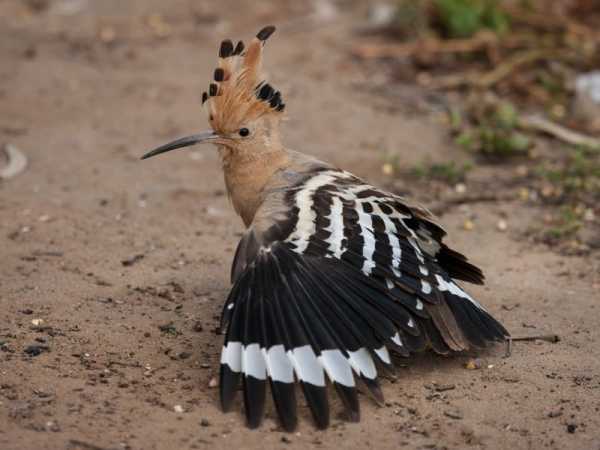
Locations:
{"points": [[346, 273]]}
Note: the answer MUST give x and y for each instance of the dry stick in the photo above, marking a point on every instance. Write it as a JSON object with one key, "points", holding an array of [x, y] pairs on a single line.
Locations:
{"points": [[549, 22], [489, 79], [445, 205], [85, 445], [511, 64], [553, 338], [542, 337], [538, 123], [429, 45]]}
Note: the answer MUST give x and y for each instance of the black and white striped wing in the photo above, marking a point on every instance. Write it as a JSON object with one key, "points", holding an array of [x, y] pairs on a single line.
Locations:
{"points": [[323, 294]]}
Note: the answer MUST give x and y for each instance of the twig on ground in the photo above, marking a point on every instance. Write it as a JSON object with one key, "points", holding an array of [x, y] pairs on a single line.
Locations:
{"points": [[445, 205], [76, 443], [549, 22], [553, 338], [539, 123], [480, 41], [487, 80]]}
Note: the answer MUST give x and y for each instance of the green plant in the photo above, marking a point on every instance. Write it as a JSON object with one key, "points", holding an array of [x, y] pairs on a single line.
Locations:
{"points": [[566, 224], [495, 134], [579, 172], [463, 18]]}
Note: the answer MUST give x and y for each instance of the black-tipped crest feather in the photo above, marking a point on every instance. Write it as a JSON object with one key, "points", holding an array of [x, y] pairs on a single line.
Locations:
{"points": [[265, 33]]}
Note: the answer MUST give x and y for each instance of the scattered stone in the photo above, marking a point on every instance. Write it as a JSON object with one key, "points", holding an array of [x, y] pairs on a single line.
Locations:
{"points": [[468, 225], [286, 440], [27, 311], [131, 261], [213, 383], [457, 415], [555, 413], [178, 409], [168, 328], [589, 215], [204, 423], [107, 34], [444, 387], [35, 350], [502, 225], [184, 355], [37, 322], [586, 105], [159, 27], [387, 169], [571, 428], [197, 327], [474, 364], [52, 426], [381, 14], [17, 162]]}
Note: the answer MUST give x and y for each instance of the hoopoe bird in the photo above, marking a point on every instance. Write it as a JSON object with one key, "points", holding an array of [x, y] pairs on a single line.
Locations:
{"points": [[333, 276]]}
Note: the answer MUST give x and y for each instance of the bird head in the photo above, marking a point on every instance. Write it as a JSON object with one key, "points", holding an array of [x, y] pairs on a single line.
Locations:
{"points": [[244, 111]]}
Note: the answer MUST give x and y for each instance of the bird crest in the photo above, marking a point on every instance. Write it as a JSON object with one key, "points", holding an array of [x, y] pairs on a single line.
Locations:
{"points": [[239, 92]]}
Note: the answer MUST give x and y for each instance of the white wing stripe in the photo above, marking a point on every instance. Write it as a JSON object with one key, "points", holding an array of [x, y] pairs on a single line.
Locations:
{"points": [[336, 228]]}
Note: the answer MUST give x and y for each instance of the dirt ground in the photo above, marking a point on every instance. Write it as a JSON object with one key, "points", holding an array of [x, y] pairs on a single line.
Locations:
{"points": [[113, 271]]}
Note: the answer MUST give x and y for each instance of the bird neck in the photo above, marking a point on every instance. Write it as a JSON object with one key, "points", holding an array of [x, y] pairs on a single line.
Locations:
{"points": [[247, 175]]}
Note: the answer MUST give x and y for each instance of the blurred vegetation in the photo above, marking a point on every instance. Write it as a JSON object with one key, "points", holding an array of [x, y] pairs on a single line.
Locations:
{"points": [[510, 70], [492, 131], [463, 18], [450, 172], [578, 173]]}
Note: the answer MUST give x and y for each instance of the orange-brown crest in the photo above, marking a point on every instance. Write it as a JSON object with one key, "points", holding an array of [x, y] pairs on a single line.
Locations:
{"points": [[239, 93]]}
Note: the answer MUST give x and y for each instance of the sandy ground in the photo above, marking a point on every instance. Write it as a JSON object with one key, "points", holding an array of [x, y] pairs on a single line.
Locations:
{"points": [[127, 343]]}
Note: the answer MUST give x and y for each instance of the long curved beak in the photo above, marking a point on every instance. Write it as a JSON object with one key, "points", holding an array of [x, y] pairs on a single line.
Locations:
{"points": [[205, 136]]}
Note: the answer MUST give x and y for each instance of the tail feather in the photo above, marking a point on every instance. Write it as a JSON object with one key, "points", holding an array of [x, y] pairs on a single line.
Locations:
{"points": [[457, 266], [298, 318]]}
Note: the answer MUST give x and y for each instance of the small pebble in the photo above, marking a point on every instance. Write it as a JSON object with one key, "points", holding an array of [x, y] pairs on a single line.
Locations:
{"points": [[107, 35], [178, 408], [37, 322], [52, 426], [468, 225], [35, 350], [457, 415], [213, 383], [387, 169], [473, 364], [502, 225], [204, 423]]}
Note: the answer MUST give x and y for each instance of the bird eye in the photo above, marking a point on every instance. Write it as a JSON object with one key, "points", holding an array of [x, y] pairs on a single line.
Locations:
{"points": [[244, 132]]}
